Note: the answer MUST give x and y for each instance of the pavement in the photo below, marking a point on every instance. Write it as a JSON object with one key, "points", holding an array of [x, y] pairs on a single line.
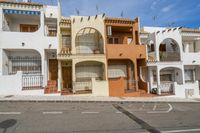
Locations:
{"points": [[51, 117], [89, 98]]}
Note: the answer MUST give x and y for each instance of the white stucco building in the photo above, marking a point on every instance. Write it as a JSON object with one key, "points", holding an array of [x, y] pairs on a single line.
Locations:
{"points": [[173, 60], [28, 39]]}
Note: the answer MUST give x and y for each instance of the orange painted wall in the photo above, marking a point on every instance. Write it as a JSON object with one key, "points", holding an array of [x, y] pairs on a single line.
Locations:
{"points": [[123, 51]]}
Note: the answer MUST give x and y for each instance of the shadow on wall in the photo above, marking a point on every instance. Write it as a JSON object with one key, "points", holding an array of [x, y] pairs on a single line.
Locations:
{"points": [[7, 124]]}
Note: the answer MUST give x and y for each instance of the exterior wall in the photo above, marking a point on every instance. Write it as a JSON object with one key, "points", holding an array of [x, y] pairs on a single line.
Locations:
{"points": [[182, 90], [8, 88], [27, 41], [100, 88], [96, 23], [116, 87]]}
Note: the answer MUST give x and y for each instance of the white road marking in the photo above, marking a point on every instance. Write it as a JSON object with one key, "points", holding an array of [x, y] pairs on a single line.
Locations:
{"points": [[10, 113], [181, 131], [167, 111], [89, 112], [118, 112], [55, 112], [141, 108], [154, 107]]}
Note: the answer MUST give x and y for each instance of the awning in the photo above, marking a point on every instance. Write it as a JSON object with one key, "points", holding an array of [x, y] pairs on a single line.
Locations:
{"points": [[21, 12]]}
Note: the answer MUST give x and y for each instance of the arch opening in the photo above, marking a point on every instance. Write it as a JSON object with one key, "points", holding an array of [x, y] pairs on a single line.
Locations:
{"points": [[169, 50], [89, 41]]}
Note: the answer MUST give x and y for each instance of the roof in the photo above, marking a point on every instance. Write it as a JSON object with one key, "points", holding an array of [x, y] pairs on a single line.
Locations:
{"points": [[120, 20], [190, 30], [20, 3]]}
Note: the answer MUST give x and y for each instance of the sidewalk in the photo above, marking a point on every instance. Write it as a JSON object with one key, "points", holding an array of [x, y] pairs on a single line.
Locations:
{"points": [[89, 98]]}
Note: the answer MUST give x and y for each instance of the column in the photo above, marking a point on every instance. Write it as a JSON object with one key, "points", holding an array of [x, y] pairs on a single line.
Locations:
{"points": [[183, 74], [186, 47], [135, 74], [73, 75], [42, 22], [158, 81], [1, 62], [1, 19], [59, 76]]}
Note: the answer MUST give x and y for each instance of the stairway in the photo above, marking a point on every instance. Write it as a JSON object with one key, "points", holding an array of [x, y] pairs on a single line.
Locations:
{"points": [[51, 87]]}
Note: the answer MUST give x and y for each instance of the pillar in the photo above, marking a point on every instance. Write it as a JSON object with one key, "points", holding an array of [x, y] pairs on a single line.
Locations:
{"points": [[186, 48], [59, 76], [1, 19], [1, 62], [42, 22], [73, 75], [135, 74], [158, 81], [183, 74]]}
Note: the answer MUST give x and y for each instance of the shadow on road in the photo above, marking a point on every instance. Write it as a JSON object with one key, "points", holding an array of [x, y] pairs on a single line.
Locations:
{"points": [[7, 124]]}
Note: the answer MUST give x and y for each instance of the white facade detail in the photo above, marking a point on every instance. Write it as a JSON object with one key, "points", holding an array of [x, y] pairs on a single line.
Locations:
{"points": [[173, 61]]}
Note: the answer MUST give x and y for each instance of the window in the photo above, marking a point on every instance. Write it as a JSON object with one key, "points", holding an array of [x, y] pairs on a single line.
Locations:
{"points": [[115, 71], [113, 40], [166, 77], [28, 28], [52, 30], [130, 39], [66, 40], [189, 75]]}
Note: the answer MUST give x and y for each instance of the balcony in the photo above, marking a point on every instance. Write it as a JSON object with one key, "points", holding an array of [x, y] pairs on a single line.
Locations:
{"points": [[169, 56], [22, 40], [125, 51], [89, 41]]}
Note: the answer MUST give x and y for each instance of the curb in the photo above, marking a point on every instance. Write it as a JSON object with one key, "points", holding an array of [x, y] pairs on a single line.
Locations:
{"points": [[97, 101]]}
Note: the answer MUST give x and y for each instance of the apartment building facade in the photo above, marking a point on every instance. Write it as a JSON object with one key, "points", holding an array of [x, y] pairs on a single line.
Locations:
{"points": [[42, 53], [173, 60], [28, 41]]}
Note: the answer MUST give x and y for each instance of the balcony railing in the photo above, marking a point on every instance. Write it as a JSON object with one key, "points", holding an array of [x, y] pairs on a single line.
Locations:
{"points": [[169, 56], [31, 82], [82, 86], [167, 87]]}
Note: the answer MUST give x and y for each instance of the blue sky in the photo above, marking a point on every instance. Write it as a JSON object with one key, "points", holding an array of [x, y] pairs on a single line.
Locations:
{"points": [[165, 12]]}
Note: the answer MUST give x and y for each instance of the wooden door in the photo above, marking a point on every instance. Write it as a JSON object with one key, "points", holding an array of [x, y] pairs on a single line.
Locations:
{"points": [[53, 69], [28, 28], [67, 77]]}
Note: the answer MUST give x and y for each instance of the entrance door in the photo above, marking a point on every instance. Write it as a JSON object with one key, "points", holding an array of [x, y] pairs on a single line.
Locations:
{"points": [[67, 77], [53, 69]]}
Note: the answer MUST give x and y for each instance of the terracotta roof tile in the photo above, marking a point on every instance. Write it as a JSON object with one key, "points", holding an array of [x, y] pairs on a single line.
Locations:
{"points": [[190, 30]]}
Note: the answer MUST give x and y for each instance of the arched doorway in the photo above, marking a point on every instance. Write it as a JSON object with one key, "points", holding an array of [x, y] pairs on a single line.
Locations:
{"points": [[89, 41], [168, 76], [85, 71], [169, 50]]}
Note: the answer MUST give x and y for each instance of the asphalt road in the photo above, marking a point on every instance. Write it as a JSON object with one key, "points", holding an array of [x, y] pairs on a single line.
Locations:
{"points": [[22, 117]]}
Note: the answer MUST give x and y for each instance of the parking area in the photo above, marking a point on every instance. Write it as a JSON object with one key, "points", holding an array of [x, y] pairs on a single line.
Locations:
{"points": [[23, 117]]}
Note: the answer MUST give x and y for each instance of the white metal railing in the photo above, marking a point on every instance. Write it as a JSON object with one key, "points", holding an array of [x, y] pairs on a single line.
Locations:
{"points": [[81, 86], [31, 81], [167, 87]]}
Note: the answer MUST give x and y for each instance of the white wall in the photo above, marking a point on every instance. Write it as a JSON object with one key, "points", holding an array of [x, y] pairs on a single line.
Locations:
{"points": [[100, 88], [51, 10], [181, 90], [5, 62], [153, 29], [11, 84]]}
